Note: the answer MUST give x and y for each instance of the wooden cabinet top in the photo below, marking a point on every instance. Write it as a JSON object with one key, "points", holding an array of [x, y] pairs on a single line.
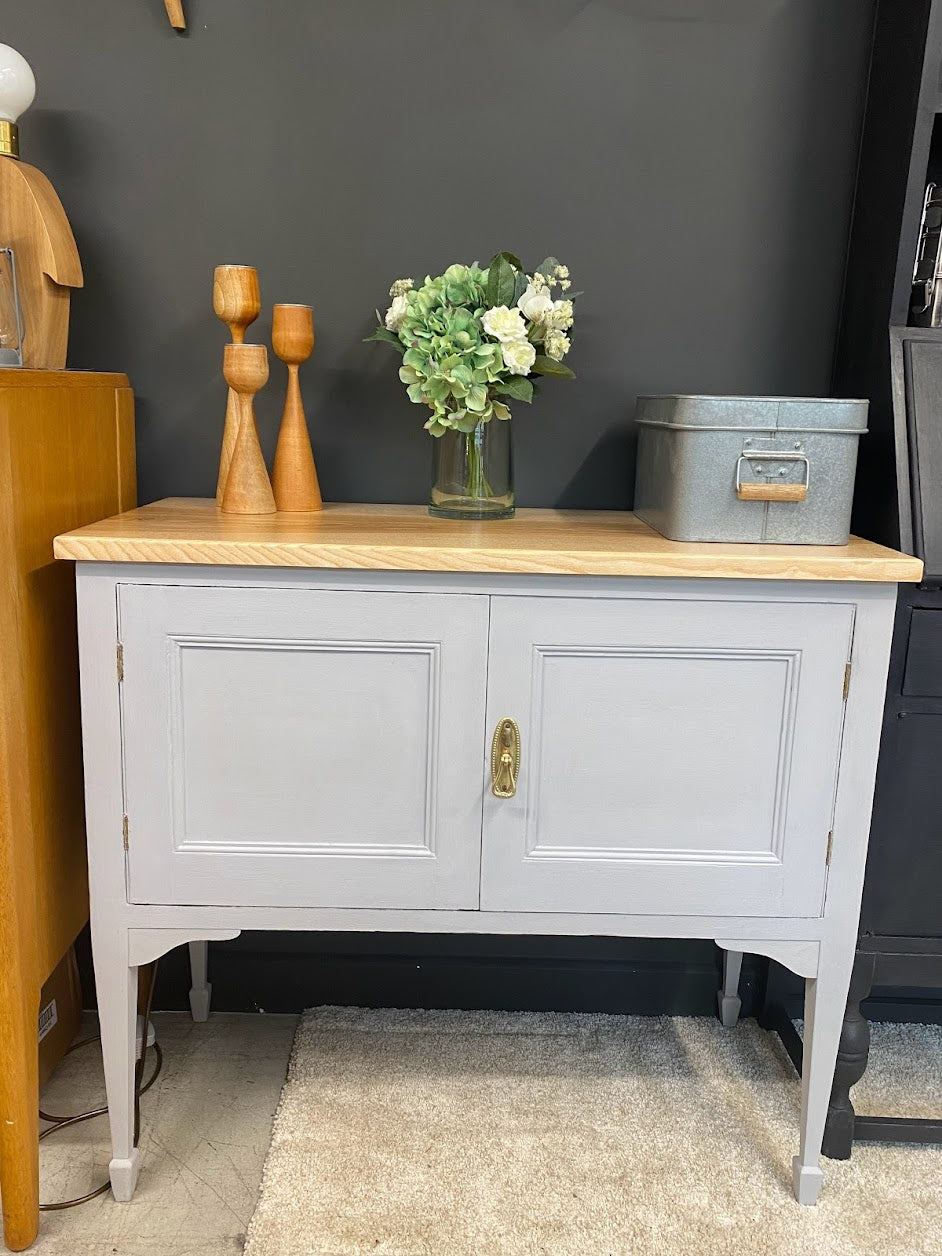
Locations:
{"points": [[25, 377], [406, 538]]}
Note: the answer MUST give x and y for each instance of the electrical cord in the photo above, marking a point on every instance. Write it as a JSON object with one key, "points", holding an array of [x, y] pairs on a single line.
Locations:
{"points": [[140, 1088]]}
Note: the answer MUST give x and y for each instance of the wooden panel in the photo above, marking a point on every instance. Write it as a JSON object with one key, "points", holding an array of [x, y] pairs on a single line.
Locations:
{"points": [[676, 757], [303, 748], [58, 468], [69, 447], [405, 538]]}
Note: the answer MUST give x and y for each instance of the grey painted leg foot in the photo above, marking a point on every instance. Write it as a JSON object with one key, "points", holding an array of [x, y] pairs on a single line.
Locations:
{"points": [[117, 1015], [852, 1053], [825, 1000], [200, 989], [123, 1174], [728, 1001], [806, 1181]]}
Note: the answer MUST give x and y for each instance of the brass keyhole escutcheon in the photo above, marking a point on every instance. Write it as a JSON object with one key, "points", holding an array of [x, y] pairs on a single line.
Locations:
{"points": [[505, 759]]}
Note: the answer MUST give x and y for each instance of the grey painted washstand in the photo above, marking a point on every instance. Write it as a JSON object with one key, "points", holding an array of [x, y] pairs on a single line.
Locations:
{"points": [[311, 723]]}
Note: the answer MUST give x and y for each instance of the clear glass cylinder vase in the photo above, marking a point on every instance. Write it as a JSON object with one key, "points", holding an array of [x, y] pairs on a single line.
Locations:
{"points": [[472, 473]]}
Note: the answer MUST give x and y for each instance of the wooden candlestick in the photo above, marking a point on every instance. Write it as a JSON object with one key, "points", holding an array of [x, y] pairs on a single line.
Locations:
{"points": [[294, 475], [248, 488], [237, 302], [175, 13]]}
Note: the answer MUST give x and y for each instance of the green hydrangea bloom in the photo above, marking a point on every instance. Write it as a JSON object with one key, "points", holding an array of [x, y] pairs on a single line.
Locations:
{"points": [[448, 365]]}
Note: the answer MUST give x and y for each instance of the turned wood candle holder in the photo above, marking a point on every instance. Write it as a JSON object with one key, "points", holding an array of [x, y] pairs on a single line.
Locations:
{"points": [[237, 302], [248, 488], [294, 475]]}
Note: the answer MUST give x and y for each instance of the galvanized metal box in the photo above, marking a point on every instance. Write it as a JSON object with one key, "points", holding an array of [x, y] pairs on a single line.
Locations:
{"points": [[756, 469]]}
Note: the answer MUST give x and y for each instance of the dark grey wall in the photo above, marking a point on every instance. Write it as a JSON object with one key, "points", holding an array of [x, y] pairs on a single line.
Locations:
{"points": [[692, 161]]}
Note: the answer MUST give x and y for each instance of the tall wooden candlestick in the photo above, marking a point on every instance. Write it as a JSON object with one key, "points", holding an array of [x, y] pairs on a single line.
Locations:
{"points": [[294, 475], [248, 488], [237, 302]]}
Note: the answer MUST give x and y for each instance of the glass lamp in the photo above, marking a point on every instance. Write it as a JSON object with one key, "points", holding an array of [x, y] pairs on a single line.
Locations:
{"points": [[17, 89]]}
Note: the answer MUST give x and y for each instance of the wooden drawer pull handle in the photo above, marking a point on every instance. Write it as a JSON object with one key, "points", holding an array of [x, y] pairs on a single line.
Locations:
{"points": [[772, 492], [505, 759]]}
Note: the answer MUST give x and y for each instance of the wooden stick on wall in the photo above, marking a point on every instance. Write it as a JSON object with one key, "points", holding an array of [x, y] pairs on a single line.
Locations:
{"points": [[175, 13]]}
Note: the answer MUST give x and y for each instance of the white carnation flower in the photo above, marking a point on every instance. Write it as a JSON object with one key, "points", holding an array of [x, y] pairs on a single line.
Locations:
{"points": [[519, 356], [397, 312], [536, 303], [504, 324]]}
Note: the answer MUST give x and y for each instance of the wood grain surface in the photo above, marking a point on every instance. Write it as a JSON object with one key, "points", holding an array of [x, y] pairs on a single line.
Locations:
{"points": [[406, 538], [34, 224], [66, 454]]}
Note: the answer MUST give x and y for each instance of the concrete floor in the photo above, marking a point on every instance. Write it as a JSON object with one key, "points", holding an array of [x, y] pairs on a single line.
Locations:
{"points": [[206, 1126]]}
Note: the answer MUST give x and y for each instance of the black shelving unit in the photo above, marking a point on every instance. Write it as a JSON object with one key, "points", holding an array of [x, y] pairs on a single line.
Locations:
{"points": [[898, 366]]}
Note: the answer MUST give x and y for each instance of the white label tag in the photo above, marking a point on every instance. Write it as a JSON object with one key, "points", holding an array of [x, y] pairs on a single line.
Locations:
{"points": [[48, 1019]]}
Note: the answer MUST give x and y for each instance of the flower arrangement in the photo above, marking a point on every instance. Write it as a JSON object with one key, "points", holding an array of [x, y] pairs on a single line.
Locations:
{"points": [[472, 340]]}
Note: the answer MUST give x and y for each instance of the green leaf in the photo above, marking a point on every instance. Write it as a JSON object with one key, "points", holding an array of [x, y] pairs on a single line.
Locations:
{"points": [[549, 366], [520, 286], [383, 333], [548, 267], [513, 259], [500, 282], [518, 387]]}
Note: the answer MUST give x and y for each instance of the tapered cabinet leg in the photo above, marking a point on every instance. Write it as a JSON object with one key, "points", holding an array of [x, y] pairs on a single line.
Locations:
{"points": [[728, 1001], [852, 1052], [19, 1116], [200, 989], [825, 1001], [116, 983]]}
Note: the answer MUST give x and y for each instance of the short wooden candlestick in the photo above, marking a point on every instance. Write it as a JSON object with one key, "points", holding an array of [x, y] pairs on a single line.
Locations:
{"points": [[237, 302], [294, 475], [248, 489]]}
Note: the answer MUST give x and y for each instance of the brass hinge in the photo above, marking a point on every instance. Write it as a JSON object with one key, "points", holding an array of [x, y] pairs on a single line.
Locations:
{"points": [[124, 831], [120, 658], [846, 680], [827, 857]]}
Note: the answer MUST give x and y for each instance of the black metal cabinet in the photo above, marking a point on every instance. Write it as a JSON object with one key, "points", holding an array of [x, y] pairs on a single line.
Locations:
{"points": [[903, 889], [900, 941], [898, 501]]}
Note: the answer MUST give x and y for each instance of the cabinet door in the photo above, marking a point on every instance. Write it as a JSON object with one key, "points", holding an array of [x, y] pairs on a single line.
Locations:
{"points": [[295, 747], [677, 757]]}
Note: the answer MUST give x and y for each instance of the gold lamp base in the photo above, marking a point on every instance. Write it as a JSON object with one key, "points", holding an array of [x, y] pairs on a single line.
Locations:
{"points": [[9, 139]]}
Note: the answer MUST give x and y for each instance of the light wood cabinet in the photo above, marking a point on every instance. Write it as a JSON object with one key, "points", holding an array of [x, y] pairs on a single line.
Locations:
{"points": [[291, 723], [66, 456]]}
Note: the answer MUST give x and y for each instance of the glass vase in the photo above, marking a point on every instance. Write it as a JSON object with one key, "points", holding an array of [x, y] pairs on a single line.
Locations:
{"points": [[472, 473]]}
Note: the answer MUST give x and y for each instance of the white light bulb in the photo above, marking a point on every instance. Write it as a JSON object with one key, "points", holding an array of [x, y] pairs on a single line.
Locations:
{"points": [[17, 85]]}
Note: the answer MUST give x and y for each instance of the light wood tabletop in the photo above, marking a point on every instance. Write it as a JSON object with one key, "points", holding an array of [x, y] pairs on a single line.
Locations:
{"points": [[407, 538]]}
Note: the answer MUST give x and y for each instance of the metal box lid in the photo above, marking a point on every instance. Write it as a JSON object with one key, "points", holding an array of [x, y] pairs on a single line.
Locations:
{"points": [[687, 412]]}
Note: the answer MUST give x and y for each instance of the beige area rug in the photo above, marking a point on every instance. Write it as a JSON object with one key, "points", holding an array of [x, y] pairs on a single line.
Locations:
{"points": [[494, 1134]]}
